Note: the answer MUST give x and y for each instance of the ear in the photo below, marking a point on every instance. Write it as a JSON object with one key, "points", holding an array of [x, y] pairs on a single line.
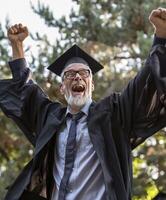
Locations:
{"points": [[93, 87], [61, 88]]}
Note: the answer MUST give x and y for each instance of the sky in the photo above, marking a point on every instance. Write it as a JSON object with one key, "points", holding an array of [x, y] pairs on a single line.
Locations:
{"points": [[19, 11]]}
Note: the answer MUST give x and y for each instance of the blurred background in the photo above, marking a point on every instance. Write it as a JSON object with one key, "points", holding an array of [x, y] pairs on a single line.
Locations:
{"points": [[118, 34]]}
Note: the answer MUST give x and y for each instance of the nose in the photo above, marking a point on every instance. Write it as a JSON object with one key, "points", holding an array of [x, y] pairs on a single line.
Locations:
{"points": [[77, 77]]}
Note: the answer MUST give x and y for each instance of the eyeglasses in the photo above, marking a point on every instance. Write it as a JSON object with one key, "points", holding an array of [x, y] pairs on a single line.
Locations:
{"points": [[71, 74]]}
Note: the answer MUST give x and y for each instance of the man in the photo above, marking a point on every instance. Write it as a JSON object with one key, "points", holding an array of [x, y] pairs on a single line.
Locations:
{"points": [[85, 156]]}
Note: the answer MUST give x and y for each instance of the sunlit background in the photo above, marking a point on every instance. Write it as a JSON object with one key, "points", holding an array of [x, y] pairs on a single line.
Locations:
{"points": [[118, 34]]}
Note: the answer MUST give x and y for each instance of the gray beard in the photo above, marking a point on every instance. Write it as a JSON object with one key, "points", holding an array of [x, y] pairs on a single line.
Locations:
{"points": [[78, 101]]}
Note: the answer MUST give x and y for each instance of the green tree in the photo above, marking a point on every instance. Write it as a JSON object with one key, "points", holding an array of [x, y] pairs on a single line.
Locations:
{"points": [[118, 34]]}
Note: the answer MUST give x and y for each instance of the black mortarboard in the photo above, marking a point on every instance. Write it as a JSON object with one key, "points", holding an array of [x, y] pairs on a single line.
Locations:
{"points": [[74, 55]]}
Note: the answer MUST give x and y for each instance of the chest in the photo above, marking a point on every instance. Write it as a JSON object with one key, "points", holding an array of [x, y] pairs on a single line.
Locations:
{"points": [[83, 141]]}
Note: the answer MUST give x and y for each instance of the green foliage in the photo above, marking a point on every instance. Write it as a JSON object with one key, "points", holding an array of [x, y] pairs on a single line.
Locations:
{"points": [[149, 167], [119, 35]]}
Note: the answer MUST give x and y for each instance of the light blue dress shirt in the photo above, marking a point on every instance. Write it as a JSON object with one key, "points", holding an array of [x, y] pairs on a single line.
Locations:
{"points": [[86, 181]]}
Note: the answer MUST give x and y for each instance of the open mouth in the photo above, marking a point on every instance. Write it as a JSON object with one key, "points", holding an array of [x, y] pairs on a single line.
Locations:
{"points": [[78, 88]]}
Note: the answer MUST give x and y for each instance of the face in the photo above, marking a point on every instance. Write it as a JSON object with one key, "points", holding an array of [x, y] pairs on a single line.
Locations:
{"points": [[77, 89]]}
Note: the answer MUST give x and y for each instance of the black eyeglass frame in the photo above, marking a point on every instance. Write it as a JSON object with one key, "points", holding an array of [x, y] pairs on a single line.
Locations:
{"points": [[71, 74]]}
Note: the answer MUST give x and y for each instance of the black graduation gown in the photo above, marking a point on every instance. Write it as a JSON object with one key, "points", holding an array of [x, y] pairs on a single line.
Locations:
{"points": [[116, 124]]}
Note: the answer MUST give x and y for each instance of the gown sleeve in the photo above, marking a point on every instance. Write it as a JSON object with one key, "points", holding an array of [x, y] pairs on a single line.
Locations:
{"points": [[24, 101], [142, 103]]}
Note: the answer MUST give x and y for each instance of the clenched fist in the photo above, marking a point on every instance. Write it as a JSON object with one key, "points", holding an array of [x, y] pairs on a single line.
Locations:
{"points": [[158, 20], [17, 33]]}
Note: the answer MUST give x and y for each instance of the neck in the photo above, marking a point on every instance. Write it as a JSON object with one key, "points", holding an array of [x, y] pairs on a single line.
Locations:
{"points": [[74, 109]]}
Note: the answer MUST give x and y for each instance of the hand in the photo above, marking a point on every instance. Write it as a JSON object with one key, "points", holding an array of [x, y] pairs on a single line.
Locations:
{"points": [[158, 20], [17, 33]]}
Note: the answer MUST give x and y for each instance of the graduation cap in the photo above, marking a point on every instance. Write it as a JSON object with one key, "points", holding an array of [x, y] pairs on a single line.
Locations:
{"points": [[74, 55], [160, 196]]}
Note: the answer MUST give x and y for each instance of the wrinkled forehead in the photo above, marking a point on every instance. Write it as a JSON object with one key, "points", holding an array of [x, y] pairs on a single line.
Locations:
{"points": [[76, 66]]}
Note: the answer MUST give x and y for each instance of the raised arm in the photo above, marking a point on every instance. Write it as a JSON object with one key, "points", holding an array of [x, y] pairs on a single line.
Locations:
{"points": [[140, 104], [20, 98]]}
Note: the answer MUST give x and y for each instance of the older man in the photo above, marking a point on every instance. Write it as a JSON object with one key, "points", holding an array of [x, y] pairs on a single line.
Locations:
{"points": [[83, 152]]}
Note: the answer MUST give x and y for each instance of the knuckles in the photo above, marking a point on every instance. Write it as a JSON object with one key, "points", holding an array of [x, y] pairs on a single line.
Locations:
{"points": [[18, 28]]}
